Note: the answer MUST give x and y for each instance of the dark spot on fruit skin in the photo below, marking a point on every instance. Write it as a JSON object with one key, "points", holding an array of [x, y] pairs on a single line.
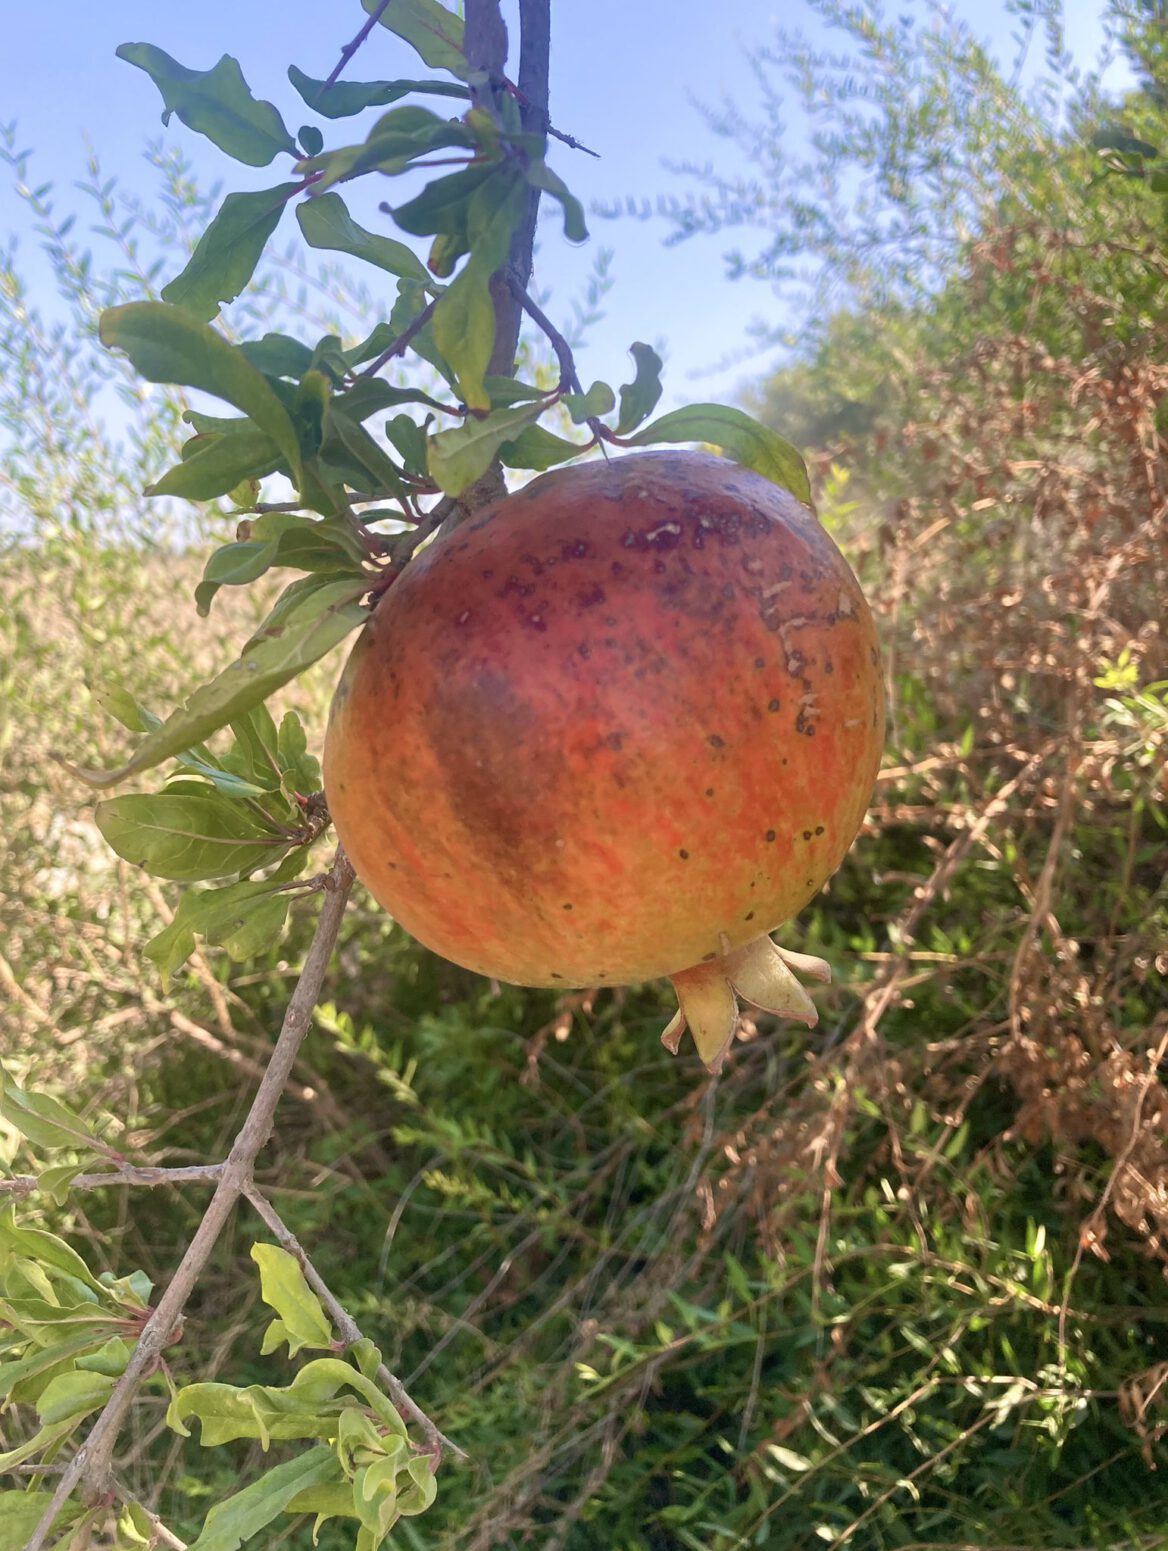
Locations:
{"points": [[591, 598], [488, 574], [567, 907], [807, 834], [611, 621], [760, 662], [617, 568], [828, 665], [819, 829], [554, 976], [715, 742], [575, 551], [773, 705], [749, 916], [707, 957], [586, 651], [709, 791], [770, 834], [534, 562], [684, 855]]}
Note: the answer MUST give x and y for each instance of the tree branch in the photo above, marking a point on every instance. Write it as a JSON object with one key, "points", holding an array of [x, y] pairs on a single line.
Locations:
{"points": [[351, 47], [21, 1185], [91, 1466], [346, 1326]]}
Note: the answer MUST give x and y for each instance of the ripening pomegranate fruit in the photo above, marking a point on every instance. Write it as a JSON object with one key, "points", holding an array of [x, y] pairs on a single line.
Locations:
{"points": [[621, 724]]}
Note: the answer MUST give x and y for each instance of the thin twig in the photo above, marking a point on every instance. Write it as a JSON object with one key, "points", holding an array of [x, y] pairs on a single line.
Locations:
{"points": [[570, 140], [346, 1326], [21, 1185], [91, 1465], [403, 339], [568, 375], [351, 48]]}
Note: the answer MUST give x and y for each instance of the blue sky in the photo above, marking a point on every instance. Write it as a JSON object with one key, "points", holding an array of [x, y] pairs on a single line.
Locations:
{"points": [[622, 75]]}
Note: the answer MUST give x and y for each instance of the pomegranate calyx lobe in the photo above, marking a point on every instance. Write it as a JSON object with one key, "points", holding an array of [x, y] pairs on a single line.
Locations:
{"points": [[760, 973]]}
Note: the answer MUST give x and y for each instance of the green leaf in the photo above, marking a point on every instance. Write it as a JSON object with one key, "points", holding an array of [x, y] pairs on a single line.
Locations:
{"points": [[300, 768], [393, 143], [464, 319], [41, 1440], [537, 448], [509, 390], [739, 435], [229, 1524], [245, 919], [444, 205], [599, 400], [42, 1359], [404, 432], [188, 837], [344, 98], [639, 397], [429, 28], [110, 1358], [47, 1250], [421, 1493], [541, 176], [165, 344], [227, 253], [233, 565], [302, 1320], [295, 635], [55, 1182], [219, 464], [44, 1121], [122, 706], [326, 223], [458, 457], [73, 1395], [216, 103], [279, 355], [20, 1513]]}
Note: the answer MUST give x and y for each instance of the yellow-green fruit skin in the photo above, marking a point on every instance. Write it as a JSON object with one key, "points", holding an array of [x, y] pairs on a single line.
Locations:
{"points": [[619, 723]]}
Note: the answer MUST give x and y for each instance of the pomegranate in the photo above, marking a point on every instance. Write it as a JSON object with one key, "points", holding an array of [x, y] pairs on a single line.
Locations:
{"points": [[621, 724]]}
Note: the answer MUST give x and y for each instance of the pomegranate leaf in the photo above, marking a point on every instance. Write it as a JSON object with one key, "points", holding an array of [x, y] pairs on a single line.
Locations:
{"points": [[432, 31], [599, 400], [304, 624], [240, 1518], [279, 355], [165, 344], [44, 1121], [244, 919], [188, 837], [227, 253], [390, 147], [341, 99], [639, 397], [326, 223], [739, 435], [541, 176], [464, 319], [538, 448], [217, 464], [302, 1320], [216, 103], [458, 457]]}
